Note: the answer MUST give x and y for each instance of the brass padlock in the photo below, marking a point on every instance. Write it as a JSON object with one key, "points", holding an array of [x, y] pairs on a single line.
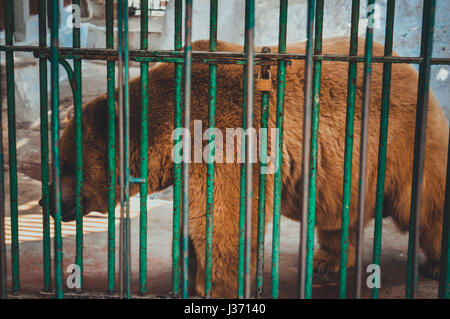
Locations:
{"points": [[264, 85]]}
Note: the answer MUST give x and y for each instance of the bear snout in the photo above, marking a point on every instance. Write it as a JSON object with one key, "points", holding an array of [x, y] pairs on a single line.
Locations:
{"points": [[68, 211]]}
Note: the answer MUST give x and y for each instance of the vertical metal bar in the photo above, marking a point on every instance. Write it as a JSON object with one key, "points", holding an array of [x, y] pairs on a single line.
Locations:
{"points": [[121, 149], [186, 144], [262, 193], [177, 166], [127, 241], [363, 149], [307, 224], [249, 77], [428, 20], [385, 97], [349, 129], [43, 91], [144, 154], [125, 283], [11, 103], [444, 277], [3, 283], [109, 7], [281, 75], [210, 165], [241, 234], [314, 134], [79, 153], [55, 147]]}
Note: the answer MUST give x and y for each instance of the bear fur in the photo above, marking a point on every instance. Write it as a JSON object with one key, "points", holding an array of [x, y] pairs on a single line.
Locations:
{"points": [[330, 157]]}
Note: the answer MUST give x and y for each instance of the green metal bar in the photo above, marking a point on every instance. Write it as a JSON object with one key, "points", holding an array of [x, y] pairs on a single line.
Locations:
{"points": [[3, 280], [210, 164], [307, 232], [186, 145], [124, 132], [79, 153], [144, 154], [363, 150], [387, 70], [137, 180], [262, 193], [126, 103], [241, 234], [281, 76], [428, 20], [111, 148], [444, 277], [349, 129], [177, 166], [11, 105], [70, 74], [314, 135], [43, 87], [58, 254]]}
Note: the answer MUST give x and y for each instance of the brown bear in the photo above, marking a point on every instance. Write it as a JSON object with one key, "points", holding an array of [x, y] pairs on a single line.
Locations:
{"points": [[330, 157]]}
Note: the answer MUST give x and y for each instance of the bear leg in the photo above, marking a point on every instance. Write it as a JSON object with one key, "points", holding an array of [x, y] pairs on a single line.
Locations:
{"points": [[327, 258], [430, 243]]}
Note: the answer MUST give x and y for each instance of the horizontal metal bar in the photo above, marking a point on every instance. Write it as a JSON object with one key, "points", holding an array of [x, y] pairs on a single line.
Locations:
{"points": [[176, 56], [137, 180]]}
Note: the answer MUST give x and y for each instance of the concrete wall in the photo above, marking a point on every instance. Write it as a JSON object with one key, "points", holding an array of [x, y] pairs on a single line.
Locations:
{"points": [[407, 32]]}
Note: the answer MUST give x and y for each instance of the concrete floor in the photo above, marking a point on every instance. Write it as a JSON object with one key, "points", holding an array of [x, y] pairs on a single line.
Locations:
{"points": [[160, 219]]}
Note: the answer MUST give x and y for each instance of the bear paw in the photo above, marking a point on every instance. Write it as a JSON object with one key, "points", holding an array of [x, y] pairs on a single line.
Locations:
{"points": [[325, 262], [430, 269]]}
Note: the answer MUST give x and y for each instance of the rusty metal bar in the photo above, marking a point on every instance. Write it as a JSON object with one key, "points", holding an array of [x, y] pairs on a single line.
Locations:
{"points": [[363, 149], [249, 78], [218, 57], [426, 50]]}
